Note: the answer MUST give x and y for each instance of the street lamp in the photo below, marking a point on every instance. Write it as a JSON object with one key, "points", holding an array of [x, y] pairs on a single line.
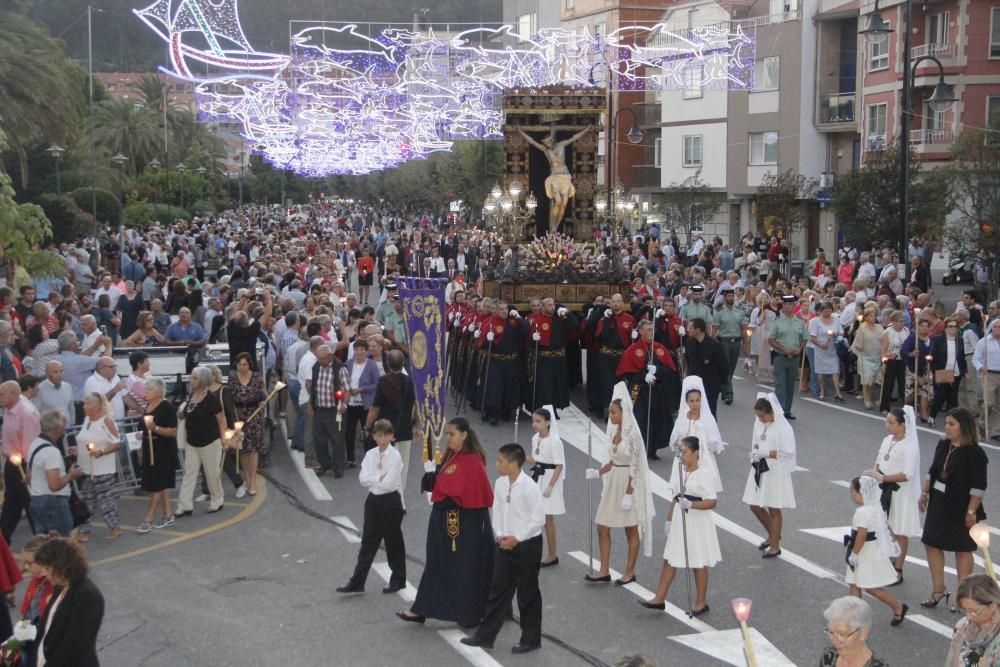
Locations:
{"points": [[877, 32], [119, 162], [180, 170], [155, 166], [56, 152], [634, 136]]}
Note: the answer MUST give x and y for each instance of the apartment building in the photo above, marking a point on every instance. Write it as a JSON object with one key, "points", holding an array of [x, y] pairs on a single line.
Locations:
{"points": [[530, 16]]}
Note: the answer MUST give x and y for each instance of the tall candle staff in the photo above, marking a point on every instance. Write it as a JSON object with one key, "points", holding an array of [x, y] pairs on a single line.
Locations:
{"points": [[741, 609]]}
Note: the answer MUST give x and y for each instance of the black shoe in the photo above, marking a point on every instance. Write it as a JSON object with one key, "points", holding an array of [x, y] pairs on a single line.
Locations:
{"points": [[337, 474], [411, 617], [322, 470], [653, 605], [393, 588], [789, 416], [898, 620], [771, 554], [699, 612], [764, 545], [212, 510], [622, 582], [494, 421], [474, 640], [351, 464], [727, 401], [652, 457], [525, 648], [351, 589], [180, 513], [554, 561], [597, 580]]}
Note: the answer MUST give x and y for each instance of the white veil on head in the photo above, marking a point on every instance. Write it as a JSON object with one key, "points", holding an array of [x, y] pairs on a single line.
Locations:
{"points": [[871, 497], [787, 456], [708, 423], [553, 433], [911, 447], [642, 492]]}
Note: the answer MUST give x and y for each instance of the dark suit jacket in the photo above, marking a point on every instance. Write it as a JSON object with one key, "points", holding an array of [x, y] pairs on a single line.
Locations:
{"points": [[939, 352], [72, 638]]}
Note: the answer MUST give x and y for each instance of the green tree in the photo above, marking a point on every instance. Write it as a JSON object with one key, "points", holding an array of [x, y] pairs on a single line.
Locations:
{"points": [[688, 205], [128, 128], [107, 203], [866, 200], [138, 212], [69, 221], [781, 202], [40, 93]]}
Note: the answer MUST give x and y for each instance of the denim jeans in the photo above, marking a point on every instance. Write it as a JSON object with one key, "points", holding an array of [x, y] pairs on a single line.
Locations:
{"points": [[813, 382], [299, 434], [51, 513]]}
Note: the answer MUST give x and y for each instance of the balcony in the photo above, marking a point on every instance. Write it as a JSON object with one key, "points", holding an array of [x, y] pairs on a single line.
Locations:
{"points": [[927, 140], [942, 52], [837, 109], [646, 176]]}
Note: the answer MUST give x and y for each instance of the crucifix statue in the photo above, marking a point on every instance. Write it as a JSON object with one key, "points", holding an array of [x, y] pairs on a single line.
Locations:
{"points": [[559, 184]]}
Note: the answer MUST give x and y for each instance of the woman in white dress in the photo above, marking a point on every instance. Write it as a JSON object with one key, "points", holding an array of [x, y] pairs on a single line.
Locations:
{"points": [[823, 333], [871, 548], [548, 461], [772, 460], [760, 323], [626, 499], [897, 470], [692, 541], [695, 419]]}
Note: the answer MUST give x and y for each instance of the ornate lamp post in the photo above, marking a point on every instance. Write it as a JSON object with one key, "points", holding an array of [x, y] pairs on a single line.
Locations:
{"points": [[180, 170], [56, 152], [155, 166]]}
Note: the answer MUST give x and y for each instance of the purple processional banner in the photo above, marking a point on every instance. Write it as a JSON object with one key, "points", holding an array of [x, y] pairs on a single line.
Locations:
{"points": [[424, 312]]}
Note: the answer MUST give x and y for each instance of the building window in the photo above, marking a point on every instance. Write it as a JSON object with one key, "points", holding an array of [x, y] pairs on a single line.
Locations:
{"points": [[995, 33], [765, 73], [693, 75], [764, 148], [937, 28], [568, 4], [692, 150], [526, 25], [657, 147], [599, 28], [993, 111], [877, 114], [878, 55]]}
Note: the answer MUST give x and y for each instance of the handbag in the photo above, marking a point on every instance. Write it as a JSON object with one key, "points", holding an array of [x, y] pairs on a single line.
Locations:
{"points": [[944, 376], [77, 507]]}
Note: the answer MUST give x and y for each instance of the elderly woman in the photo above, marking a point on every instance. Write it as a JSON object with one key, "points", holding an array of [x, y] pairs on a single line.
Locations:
{"points": [[204, 428], [892, 341], [977, 636], [823, 333], [67, 631], [159, 455], [97, 442], [225, 396], [146, 335], [867, 346], [953, 499], [848, 625]]}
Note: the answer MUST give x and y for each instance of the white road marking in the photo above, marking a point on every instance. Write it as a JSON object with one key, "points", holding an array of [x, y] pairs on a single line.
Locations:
{"points": [[473, 654], [348, 535], [944, 630], [840, 482], [409, 594], [836, 534], [727, 646], [645, 594], [308, 476]]}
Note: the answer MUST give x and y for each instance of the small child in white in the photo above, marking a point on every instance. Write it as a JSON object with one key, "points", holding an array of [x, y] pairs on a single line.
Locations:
{"points": [[548, 469], [870, 548], [381, 473]]}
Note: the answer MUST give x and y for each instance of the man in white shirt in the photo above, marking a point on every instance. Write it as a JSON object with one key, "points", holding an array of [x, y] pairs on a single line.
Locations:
{"points": [[107, 288], [518, 518], [92, 336], [381, 473], [866, 269], [986, 359], [105, 381], [49, 480], [305, 368]]}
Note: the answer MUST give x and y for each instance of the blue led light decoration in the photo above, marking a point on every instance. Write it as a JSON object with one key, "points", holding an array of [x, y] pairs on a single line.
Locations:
{"points": [[375, 102]]}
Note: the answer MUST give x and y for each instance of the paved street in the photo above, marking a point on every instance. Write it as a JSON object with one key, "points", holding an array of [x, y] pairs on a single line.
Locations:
{"points": [[254, 585]]}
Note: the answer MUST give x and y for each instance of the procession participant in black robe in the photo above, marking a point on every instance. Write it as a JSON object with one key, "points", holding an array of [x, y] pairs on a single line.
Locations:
{"points": [[707, 359], [474, 382], [647, 378], [588, 340], [460, 548], [502, 343], [669, 332], [614, 332], [550, 328], [454, 313]]}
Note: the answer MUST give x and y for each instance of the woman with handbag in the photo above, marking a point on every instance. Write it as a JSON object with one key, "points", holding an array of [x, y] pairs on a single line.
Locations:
{"points": [[949, 367], [97, 444]]}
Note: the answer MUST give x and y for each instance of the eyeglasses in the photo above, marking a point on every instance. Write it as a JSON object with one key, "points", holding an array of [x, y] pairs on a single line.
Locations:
{"points": [[973, 611], [951, 326], [840, 636]]}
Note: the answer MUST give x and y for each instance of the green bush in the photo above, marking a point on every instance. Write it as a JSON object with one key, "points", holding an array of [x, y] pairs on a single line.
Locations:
{"points": [[138, 212], [69, 221], [107, 204], [203, 206], [165, 214]]}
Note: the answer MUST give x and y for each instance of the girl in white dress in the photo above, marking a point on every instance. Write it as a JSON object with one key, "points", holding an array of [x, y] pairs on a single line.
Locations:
{"points": [[626, 499], [695, 497], [897, 470], [871, 548], [548, 463], [694, 418], [772, 460]]}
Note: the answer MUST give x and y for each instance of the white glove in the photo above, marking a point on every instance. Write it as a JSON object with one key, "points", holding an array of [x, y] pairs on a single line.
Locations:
{"points": [[660, 313], [666, 527], [547, 492], [514, 313], [681, 331], [490, 336], [562, 312], [755, 455], [429, 466], [650, 378], [593, 473], [685, 503], [852, 559], [626, 502], [651, 368], [875, 474], [607, 313], [635, 334], [536, 336], [470, 327], [451, 316], [476, 334], [429, 501]]}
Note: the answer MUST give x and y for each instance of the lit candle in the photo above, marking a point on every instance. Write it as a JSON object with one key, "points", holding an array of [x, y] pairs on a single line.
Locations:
{"points": [[741, 609], [339, 395], [981, 534], [238, 426], [16, 460]]}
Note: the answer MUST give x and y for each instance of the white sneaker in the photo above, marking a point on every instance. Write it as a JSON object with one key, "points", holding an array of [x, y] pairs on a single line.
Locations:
{"points": [[241, 491], [201, 498]]}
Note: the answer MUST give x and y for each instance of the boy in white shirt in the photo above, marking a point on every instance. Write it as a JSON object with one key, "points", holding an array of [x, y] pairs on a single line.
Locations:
{"points": [[381, 473]]}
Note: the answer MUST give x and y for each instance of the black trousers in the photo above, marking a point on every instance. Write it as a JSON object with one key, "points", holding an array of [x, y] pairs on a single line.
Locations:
{"points": [[16, 500], [515, 571], [328, 439], [895, 375], [355, 414], [945, 395], [383, 521]]}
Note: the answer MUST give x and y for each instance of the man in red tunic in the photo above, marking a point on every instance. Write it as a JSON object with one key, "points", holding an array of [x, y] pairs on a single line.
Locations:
{"points": [[646, 367]]}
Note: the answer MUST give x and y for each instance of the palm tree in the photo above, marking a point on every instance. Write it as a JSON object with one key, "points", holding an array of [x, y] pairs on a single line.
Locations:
{"points": [[41, 96], [128, 128]]}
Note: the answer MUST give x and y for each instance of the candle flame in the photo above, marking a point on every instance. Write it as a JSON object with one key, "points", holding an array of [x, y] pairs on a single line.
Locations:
{"points": [[16, 459], [981, 534]]}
